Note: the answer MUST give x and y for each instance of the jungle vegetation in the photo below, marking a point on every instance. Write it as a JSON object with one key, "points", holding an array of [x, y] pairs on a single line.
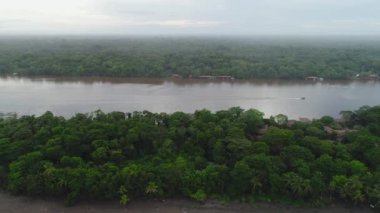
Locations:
{"points": [[233, 154], [240, 57]]}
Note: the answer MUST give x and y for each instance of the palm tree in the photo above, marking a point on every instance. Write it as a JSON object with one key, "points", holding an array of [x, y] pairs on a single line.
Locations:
{"points": [[297, 184], [151, 188], [256, 184]]}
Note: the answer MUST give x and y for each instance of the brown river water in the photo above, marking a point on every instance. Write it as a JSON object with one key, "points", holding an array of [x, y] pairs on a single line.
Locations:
{"points": [[67, 96]]}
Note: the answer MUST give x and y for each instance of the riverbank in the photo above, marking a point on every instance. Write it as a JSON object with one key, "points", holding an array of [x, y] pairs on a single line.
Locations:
{"points": [[20, 204], [161, 80]]}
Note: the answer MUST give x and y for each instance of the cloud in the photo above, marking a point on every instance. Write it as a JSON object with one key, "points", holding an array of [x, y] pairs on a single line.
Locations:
{"points": [[190, 16], [183, 23], [167, 13]]}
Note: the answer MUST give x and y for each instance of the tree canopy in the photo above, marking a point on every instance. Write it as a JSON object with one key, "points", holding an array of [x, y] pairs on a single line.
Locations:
{"points": [[201, 155], [243, 58]]}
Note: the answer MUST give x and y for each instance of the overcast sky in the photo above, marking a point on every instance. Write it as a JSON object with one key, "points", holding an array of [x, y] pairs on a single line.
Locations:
{"points": [[239, 17]]}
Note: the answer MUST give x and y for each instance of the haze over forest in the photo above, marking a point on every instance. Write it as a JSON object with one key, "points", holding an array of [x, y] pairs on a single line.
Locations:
{"points": [[240, 57]]}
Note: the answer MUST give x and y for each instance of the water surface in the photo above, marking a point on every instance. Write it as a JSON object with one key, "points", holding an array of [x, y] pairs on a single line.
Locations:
{"points": [[67, 96]]}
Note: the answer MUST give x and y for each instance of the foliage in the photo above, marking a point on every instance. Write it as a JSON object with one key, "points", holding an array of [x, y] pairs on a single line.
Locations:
{"points": [[243, 58], [199, 155]]}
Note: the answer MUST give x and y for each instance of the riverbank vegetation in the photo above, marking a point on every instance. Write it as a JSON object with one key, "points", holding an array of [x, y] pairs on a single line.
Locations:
{"points": [[242, 58], [230, 155]]}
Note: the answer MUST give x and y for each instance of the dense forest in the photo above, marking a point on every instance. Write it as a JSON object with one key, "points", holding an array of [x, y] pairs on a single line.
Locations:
{"points": [[232, 154], [244, 58]]}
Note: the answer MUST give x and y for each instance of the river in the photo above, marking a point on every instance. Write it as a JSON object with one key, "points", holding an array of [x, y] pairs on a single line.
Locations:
{"points": [[67, 96]]}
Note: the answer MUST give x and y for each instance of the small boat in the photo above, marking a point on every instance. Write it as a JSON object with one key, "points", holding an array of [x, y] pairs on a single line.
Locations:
{"points": [[303, 98]]}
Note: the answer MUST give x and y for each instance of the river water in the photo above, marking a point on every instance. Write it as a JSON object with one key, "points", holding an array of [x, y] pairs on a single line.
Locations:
{"points": [[67, 96]]}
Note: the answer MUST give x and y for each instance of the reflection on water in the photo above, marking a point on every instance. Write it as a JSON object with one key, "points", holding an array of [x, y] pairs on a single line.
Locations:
{"points": [[155, 81], [66, 96]]}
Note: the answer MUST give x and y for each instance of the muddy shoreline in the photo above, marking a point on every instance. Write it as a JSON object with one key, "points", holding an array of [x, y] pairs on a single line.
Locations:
{"points": [[21, 204]]}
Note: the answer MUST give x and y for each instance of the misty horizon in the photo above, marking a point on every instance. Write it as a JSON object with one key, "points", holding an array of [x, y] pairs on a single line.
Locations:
{"points": [[184, 17]]}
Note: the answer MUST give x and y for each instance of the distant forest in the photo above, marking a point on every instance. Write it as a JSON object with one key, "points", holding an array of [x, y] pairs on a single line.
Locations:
{"points": [[242, 58]]}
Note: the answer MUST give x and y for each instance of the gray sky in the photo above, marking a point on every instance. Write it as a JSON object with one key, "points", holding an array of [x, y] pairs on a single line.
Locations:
{"points": [[240, 17]]}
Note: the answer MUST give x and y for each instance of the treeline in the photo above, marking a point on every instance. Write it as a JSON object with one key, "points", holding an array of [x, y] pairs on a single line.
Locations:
{"points": [[228, 155], [243, 58]]}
